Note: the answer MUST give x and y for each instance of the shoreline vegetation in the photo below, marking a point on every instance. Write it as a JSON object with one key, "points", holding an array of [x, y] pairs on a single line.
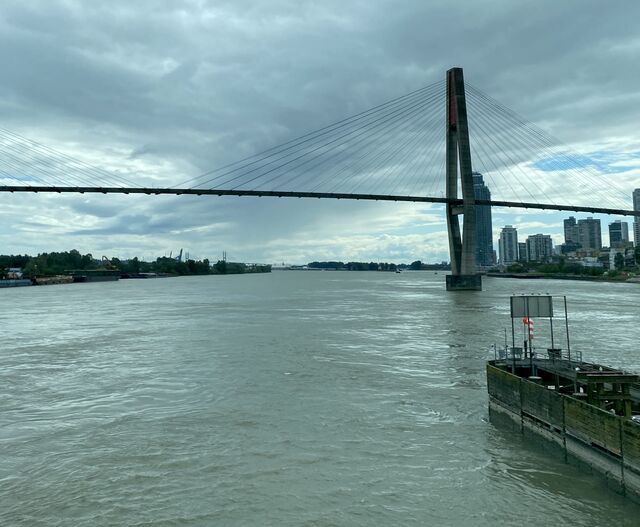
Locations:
{"points": [[563, 270], [376, 266], [619, 277], [71, 262], [57, 267]]}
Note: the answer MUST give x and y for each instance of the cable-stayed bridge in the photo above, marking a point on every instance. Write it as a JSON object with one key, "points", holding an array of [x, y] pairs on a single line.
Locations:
{"points": [[391, 152]]}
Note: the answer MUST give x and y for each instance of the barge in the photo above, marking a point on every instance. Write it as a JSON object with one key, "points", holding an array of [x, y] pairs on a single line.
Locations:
{"points": [[590, 412], [94, 275], [15, 282], [52, 280]]}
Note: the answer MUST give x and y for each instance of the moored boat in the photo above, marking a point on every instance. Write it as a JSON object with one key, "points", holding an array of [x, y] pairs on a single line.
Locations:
{"points": [[94, 275], [15, 282]]}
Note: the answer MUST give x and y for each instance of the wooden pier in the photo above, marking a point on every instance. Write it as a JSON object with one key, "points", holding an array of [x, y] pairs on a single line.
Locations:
{"points": [[586, 409]]}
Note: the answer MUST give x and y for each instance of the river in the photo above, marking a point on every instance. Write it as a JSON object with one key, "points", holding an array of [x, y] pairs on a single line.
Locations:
{"points": [[290, 398]]}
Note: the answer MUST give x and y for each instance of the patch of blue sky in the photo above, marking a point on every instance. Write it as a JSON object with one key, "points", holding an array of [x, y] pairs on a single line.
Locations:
{"points": [[604, 162], [17, 177]]}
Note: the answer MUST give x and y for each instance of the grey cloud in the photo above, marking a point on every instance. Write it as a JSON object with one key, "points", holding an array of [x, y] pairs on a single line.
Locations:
{"points": [[183, 87], [91, 208]]}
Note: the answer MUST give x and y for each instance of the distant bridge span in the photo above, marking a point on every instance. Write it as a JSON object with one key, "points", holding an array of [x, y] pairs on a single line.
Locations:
{"points": [[454, 202]]}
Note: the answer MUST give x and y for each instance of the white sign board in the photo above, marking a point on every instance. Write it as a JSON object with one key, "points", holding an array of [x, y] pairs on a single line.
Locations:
{"points": [[531, 306]]}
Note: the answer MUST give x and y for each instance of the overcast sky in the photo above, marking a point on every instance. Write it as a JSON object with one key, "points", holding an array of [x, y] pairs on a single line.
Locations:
{"points": [[161, 91]]}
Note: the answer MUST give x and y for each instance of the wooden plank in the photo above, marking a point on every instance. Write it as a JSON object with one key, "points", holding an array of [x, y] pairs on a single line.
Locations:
{"points": [[542, 403], [631, 443], [601, 377], [504, 386], [592, 425]]}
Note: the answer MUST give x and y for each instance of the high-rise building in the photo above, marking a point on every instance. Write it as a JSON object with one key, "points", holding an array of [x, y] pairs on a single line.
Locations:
{"points": [[484, 233], [589, 234], [636, 223], [522, 252], [508, 245], [570, 231], [571, 236], [618, 233], [539, 248]]}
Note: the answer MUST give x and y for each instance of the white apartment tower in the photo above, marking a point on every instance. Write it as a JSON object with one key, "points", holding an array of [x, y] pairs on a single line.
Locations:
{"points": [[539, 248], [508, 245]]}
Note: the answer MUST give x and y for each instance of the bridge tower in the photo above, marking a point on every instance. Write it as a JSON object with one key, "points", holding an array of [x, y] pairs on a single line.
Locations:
{"points": [[463, 275]]}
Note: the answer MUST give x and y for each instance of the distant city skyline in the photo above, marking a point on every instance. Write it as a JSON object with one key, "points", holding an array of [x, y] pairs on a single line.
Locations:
{"points": [[581, 236]]}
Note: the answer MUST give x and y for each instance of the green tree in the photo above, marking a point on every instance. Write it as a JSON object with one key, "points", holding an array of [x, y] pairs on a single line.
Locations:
{"points": [[517, 268], [416, 266], [549, 268], [221, 267], [86, 262], [618, 261], [30, 269]]}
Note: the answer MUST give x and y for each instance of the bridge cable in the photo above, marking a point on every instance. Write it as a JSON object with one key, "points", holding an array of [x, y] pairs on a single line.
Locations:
{"points": [[18, 165], [48, 151], [548, 143], [513, 138], [496, 135], [384, 157], [485, 134], [420, 153], [359, 131], [270, 152], [311, 136], [367, 140], [380, 151], [535, 153]]}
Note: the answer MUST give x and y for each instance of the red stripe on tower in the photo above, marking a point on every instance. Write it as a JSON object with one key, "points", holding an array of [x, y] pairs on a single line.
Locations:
{"points": [[451, 98]]}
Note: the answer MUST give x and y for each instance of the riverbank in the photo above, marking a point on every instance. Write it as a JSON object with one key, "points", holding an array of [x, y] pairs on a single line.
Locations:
{"points": [[560, 276], [113, 276]]}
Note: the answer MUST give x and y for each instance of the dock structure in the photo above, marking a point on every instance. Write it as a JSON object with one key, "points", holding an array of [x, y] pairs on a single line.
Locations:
{"points": [[601, 386], [587, 413], [591, 411]]}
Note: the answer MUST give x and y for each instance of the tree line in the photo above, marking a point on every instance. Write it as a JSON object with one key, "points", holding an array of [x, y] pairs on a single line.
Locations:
{"points": [[377, 266], [562, 266], [57, 263]]}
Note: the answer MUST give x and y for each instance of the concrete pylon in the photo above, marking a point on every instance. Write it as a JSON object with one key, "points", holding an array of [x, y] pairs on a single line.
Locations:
{"points": [[462, 249]]}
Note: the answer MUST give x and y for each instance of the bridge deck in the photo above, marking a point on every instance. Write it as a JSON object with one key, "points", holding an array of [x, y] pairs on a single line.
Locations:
{"points": [[317, 195]]}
